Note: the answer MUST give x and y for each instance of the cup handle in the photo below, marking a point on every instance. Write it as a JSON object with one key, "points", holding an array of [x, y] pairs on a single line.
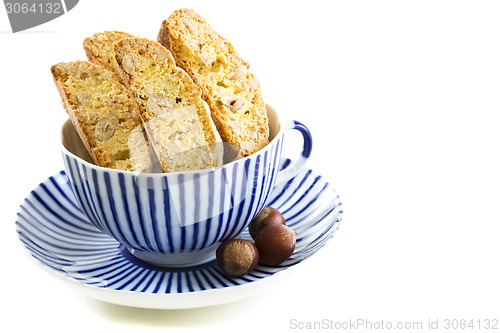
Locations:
{"points": [[291, 169]]}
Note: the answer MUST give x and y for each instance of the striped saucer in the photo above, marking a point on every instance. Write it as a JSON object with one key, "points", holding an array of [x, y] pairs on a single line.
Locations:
{"points": [[59, 237]]}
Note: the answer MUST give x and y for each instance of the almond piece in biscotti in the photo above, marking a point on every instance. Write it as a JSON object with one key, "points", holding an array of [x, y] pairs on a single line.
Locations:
{"points": [[237, 72], [214, 65], [99, 48], [103, 112], [159, 104], [105, 128], [172, 111], [233, 102], [128, 64]]}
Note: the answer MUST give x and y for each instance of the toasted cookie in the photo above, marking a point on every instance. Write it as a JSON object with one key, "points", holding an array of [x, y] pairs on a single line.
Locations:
{"points": [[105, 116], [232, 93], [173, 113]]}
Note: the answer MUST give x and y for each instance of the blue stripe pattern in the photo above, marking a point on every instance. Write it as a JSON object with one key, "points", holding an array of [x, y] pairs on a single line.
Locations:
{"points": [[60, 236], [176, 212]]}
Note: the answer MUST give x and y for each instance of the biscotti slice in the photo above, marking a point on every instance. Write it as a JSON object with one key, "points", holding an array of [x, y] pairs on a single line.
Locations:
{"points": [[99, 48], [172, 111], [231, 91], [105, 116]]}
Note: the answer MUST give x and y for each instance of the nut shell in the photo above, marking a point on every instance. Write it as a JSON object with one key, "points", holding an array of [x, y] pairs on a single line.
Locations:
{"points": [[267, 216], [275, 243], [237, 257]]}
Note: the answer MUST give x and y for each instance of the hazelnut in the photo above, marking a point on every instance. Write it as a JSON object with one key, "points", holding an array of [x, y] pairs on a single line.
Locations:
{"points": [[159, 104], [275, 243], [195, 44], [267, 216], [233, 102], [190, 26], [128, 64], [83, 98], [84, 76], [237, 72], [237, 257], [105, 129]]}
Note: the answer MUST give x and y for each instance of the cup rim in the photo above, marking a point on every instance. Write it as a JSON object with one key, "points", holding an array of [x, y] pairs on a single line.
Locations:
{"points": [[163, 174]]}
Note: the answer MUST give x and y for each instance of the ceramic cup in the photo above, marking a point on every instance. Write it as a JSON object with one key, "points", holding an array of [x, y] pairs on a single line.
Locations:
{"points": [[179, 218]]}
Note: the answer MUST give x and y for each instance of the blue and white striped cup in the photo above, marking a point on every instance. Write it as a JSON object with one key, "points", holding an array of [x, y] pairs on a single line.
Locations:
{"points": [[181, 217]]}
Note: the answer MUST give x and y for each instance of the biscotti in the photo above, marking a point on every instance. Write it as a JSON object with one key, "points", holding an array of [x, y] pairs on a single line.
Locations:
{"points": [[105, 116], [99, 48], [174, 116], [231, 91]]}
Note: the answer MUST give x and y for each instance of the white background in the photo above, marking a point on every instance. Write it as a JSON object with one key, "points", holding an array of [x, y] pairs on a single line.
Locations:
{"points": [[402, 99]]}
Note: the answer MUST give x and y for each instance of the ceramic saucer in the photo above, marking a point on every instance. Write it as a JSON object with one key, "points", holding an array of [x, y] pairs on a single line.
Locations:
{"points": [[59, 237]]}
